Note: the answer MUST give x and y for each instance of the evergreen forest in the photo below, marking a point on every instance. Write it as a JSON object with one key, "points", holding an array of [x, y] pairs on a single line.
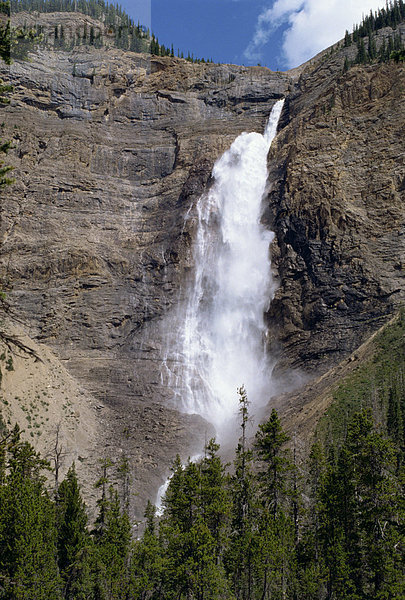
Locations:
{"points": [[120, 30], [269, 526], [391, 47]]}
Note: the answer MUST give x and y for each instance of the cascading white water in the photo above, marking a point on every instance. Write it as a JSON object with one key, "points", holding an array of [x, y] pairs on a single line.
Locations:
{"points": [[163, 488], [224, 332]]}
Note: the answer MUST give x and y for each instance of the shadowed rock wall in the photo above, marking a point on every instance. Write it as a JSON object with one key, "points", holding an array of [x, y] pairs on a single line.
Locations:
{"points": [[337, 204]]}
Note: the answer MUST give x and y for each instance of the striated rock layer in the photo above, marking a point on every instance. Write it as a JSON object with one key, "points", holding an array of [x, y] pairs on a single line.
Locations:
{"points": [[111, 150]]}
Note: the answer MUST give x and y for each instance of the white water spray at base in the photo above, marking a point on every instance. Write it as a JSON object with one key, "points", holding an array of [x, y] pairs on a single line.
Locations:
{"points": [[163, 488], [223, 342]]}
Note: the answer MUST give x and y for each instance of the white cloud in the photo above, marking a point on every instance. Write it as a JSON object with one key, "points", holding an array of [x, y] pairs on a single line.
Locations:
{"points": [[310, 26]]}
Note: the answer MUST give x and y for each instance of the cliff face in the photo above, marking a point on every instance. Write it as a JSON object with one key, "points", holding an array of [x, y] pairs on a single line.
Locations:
{"points": [[337, 205], [111, 152]]}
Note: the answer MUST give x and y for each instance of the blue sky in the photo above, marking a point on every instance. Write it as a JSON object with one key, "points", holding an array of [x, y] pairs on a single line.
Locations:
{"points": [[279, 34]]}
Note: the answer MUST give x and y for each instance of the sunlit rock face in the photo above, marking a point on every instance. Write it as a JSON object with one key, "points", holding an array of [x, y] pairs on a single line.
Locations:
{"points": [[111, 151]]}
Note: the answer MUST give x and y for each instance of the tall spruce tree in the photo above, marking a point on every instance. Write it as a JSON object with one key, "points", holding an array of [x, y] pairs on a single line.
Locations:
{"points": [[275, 547], [215, 504], [192, 530], [361, 57], [312, 572], [360, 516], [147, 562], [275, 463], [73, 539]]}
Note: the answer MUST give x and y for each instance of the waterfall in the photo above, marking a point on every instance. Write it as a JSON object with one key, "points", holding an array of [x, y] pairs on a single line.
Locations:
{"points": [[223, 340]]}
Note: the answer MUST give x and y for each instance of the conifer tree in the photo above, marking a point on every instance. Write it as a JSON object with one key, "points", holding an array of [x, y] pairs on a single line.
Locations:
{"points": [[358, 502], [215, 503], [382, 53], [112, 545], [182, 497], [348, 39], [312, 572], [390, 48], [395, 416], [27, 528], [372, 50], [275, 547], [73, 538], [239, 557], [275, 463], [361, 52], [147, 561], [193, 529]]}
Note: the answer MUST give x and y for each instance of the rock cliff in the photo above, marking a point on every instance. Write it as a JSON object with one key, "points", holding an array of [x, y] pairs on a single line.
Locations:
{"points": [[111, 151], [337, 205]]}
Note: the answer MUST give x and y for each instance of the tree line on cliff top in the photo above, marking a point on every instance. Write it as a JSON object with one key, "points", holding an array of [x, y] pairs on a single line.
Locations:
{"points": [[271, 526], [118, 26], [120, 30], [364, 35]]}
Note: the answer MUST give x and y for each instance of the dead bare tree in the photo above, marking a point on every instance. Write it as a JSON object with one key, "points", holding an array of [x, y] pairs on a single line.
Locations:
{"points": [[57, 454]]}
